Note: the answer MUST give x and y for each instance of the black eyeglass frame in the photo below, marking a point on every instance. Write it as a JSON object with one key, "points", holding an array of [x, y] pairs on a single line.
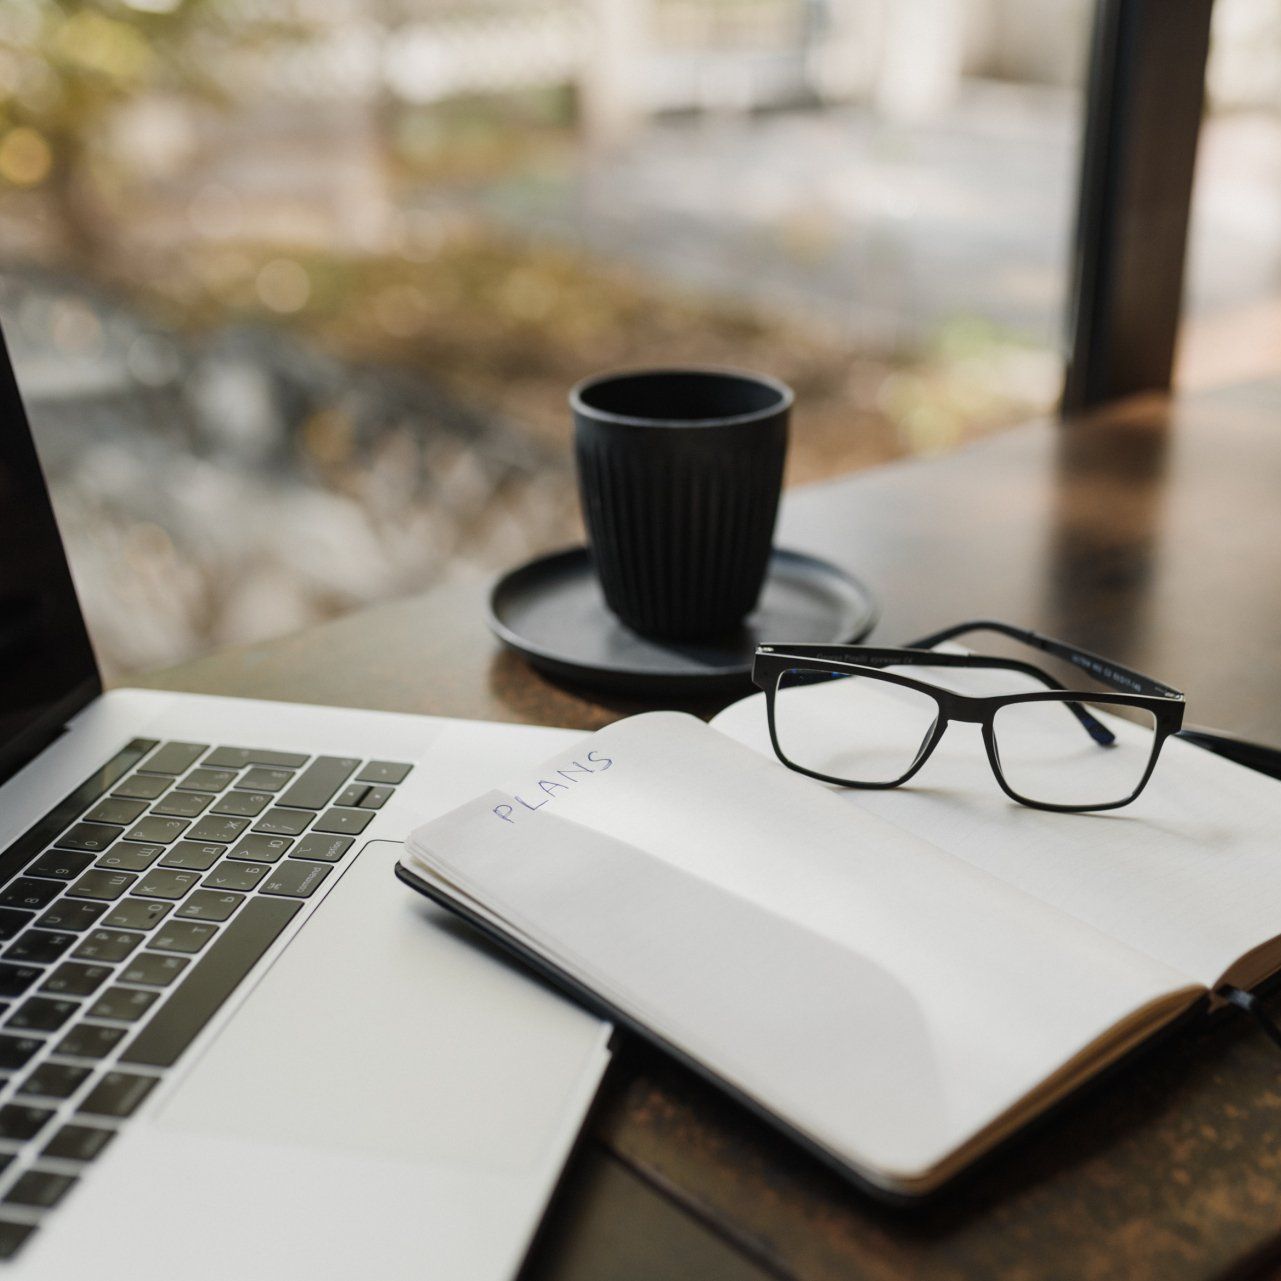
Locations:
{"points": [[1136, 690]]}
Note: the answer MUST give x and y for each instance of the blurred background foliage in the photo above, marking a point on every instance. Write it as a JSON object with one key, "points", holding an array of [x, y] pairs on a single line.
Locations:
{"points": [[296, 288]]}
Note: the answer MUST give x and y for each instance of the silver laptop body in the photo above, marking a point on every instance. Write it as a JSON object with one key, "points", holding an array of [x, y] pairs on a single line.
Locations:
{"points": [[232, 1044]]}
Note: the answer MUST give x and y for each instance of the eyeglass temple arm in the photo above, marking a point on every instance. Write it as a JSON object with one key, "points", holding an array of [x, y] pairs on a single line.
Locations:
{"points": [[1092, 725], [1255, 756], [1103, 670]]}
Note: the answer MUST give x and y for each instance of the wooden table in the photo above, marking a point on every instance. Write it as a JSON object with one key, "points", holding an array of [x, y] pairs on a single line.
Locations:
{"points": [[1151, 533]]}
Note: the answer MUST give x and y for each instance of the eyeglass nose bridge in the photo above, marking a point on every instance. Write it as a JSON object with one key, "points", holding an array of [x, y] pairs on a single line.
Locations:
{"points": [[968, 711], [964, 708]]}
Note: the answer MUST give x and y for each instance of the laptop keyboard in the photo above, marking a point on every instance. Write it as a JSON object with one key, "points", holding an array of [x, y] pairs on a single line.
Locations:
{"points": [[128, 915]]}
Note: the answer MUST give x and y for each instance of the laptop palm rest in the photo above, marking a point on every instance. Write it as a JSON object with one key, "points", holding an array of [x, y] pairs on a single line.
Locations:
{"points": [[378, 1031]]}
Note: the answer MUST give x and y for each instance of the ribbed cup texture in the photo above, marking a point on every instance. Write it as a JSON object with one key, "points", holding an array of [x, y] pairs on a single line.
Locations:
{"points": [[680, 519]]}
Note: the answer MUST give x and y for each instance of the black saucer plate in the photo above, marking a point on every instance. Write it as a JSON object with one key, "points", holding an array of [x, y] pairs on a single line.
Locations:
{"points": [[551, 611]]}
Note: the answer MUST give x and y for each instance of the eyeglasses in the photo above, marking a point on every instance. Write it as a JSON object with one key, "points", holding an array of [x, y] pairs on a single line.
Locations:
{"points": [[848, 714]]}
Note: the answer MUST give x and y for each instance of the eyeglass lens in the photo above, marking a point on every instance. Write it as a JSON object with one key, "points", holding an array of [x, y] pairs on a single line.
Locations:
{"points": [[850, 727], [1047, 756], [859, 728]]}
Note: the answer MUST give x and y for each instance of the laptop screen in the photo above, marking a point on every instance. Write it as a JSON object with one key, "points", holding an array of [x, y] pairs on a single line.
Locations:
{"points": [[47, 668]]}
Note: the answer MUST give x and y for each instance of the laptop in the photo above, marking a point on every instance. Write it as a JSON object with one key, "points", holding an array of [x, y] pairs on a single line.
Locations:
{"points": [[231, 1043]]}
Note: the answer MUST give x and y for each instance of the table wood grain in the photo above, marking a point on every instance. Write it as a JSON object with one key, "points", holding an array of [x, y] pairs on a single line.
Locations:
{"points": [[1150, 532]]}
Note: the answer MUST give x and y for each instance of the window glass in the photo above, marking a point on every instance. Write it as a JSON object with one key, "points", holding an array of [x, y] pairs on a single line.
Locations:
{"points": [[296, 289]]}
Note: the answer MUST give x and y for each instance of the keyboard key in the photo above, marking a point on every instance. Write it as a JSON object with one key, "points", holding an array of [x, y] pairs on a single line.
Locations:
{"points": [[40, 1189], [297, 880], [15, 979], [118, 1093], [71, 914], [210, 905], [12, 920], [78, 1142], [324, 849], [218, 829], [182, 936], [136, 914], [13, 1236], [63, 814], [384, 772], [209, 982], [153, 970], [239, 757], [266, 780], [16, 1051], [27, 893], [162, 830], [107, 945], [62, 865], [165, 883], [116, 809], [75, 978], [236, 876], [208, 780], [182, 804], [143, 787], [174, 758], [377, 797], [42, 1014], [244, 804], [89, 1041], [344, 822], [193, 856], [20, 1122], [94, 837], [40, 947], [352, 795], [315, 787], [261, 848], [124, 1004], [55, 1080], [126, 856], [102, 884], [279, 822]]}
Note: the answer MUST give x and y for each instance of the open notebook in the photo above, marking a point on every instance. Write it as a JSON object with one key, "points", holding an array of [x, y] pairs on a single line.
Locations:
{"points": [[898, 979]]}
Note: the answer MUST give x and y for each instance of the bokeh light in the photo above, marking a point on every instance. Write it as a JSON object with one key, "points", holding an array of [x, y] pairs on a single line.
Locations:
{"points": [[25, 157], [283, 285]]}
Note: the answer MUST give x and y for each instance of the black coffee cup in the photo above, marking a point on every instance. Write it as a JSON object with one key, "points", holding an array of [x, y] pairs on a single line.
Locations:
{"points": [[679, 475]]}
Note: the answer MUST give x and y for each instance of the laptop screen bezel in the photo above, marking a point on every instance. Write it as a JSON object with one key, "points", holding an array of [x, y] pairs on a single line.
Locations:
{"points": [[25, 746], [84, 681]]}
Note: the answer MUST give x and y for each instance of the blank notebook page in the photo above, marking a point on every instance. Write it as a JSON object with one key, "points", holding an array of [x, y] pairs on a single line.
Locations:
{"points": [[1189, 873], [884, 997]]}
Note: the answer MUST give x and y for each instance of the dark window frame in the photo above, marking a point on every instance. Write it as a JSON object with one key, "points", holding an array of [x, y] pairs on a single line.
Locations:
{"points": [[1145, 95]]}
